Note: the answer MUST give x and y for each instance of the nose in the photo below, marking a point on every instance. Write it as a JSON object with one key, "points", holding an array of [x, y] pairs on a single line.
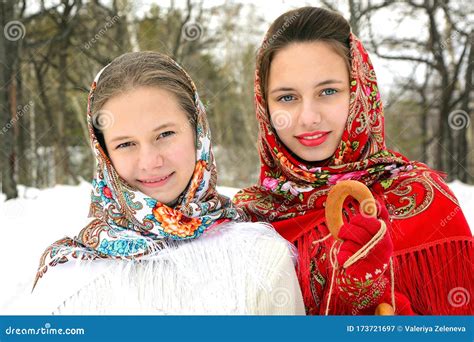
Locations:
{"points": [[310, 116], [149, 158]]}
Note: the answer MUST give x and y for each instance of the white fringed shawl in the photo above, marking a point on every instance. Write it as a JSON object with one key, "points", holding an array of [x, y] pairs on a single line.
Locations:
{"points": [[238, 268]]}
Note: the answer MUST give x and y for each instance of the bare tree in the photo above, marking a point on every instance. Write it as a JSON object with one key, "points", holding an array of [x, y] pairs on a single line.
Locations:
{"points": [[12, 30], [444, 54]]}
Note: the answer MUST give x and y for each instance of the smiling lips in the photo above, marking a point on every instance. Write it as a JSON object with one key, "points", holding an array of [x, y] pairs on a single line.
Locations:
{"points": [[155, 181], [313, 138]]}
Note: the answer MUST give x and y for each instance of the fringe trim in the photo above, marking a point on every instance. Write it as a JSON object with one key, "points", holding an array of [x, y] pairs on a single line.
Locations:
{"points": [[315, 299], [226, 271], [438, 278], [312, 298]]}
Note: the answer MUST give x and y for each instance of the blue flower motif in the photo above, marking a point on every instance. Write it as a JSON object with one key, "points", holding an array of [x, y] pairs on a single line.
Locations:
{"points": [[151, 202], [122, 247], [205, 156]]}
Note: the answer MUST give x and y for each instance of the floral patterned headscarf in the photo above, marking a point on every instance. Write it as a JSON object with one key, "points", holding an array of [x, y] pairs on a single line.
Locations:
{"points": [[127, 223], [431, 256], [289, 187]]}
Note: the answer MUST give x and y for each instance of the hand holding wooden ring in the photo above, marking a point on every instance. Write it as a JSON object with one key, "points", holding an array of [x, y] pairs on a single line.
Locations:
{"points": [[335, 201], [368, 206]]}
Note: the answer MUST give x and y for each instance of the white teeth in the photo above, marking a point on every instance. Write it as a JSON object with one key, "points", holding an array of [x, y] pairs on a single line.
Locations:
{"points": [[154, 181], [314, 137]]}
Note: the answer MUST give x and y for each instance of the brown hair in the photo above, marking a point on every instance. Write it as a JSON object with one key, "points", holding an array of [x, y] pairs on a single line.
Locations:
{"points": [[306, 24], [147, 68]]}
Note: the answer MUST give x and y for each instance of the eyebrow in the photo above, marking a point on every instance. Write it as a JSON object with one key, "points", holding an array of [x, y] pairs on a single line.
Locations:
{"points": [[325, 82], [160, 127]]}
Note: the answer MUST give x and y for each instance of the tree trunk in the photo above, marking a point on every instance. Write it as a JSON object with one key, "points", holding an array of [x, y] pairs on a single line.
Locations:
{"points": [[8, 64], [21, 131], [64, 173], [61, 157], [463, 134], [33, 148]]}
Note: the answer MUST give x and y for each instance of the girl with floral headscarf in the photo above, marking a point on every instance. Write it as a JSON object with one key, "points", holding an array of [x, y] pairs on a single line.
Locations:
{"points": [[321, 121], [161, 238]]}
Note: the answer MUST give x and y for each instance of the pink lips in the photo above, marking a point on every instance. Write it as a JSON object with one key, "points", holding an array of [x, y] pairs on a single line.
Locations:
{"points": [[313, 138], [155, 182]]}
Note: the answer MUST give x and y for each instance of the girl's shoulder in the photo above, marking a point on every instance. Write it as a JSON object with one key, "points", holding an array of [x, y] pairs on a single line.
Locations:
{"points": [[422, 206], [417, 192], [61, 283], [258, 240], [214, 273]]}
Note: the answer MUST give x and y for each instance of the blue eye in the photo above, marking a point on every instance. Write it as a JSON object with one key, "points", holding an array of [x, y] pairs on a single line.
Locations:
{"points": [[329, 91], [124, 145], [166, 134], [286, 98]]}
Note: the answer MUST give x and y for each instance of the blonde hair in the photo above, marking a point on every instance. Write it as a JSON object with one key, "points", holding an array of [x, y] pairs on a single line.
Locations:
{"points": [[137, 69]]}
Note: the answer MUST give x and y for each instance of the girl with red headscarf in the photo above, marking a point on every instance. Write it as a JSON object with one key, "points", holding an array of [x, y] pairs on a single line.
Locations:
{"points": [[321, 121]]}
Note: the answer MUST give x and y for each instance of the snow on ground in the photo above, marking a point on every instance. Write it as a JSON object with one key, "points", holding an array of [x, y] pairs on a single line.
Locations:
{"points": [[39, 217], [465, 196]]}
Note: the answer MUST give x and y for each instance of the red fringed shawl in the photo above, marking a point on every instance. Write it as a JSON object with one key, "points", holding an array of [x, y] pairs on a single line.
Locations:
{"points": [[433, 256]]}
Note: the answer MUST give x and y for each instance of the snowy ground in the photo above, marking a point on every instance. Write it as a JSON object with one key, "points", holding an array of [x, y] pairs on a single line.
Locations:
{"points": [[39, 217]]}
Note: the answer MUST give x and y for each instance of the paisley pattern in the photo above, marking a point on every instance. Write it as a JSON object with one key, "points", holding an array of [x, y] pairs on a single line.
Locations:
{"points": [[127, 223], [409, 203], [292, 195], [287, 187]]}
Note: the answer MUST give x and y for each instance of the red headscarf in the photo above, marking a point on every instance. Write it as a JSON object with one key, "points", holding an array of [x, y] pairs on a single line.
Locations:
{"points": [[289, 187], [292, 193]]}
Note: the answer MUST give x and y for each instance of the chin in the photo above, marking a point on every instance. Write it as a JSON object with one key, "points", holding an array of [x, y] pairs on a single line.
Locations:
{"points": [[165, 201], [311, 157], [308, 158], [151, 195]]}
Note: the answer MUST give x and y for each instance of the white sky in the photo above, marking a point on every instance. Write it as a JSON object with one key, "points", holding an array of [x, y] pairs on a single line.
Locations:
{"points": [[384, 24], [387, 71]]}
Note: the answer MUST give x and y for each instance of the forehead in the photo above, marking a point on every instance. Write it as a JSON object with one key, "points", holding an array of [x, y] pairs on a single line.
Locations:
{"points": [[143, 109], [309, 60]]}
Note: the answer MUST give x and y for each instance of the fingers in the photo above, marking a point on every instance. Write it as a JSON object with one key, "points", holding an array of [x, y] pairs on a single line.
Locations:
{"points": [[360, 229], [357, 233], [347, 249]]}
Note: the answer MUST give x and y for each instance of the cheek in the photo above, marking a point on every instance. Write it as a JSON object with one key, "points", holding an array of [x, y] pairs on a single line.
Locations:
{"points": [[123, 164], [282, 120], [183, 154], [338, 116]]}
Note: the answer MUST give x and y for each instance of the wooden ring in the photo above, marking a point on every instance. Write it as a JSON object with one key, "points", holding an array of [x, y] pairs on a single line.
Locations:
{"points": [[335, 201], [368, 206]]}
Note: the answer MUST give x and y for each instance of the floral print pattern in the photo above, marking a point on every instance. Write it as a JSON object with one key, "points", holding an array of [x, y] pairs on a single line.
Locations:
{"points": [[127, 223], [361, 154]]}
